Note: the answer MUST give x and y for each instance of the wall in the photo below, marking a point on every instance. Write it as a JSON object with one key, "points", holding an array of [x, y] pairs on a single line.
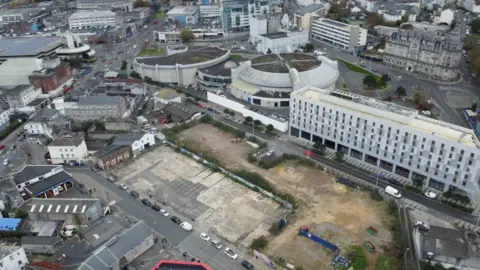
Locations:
{"points": [[232, 105], [140, 249], [15, 260]]}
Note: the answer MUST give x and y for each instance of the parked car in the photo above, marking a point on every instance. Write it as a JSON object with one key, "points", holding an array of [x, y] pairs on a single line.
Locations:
{"points": [[146, 202], [156, 207], [5, 162], [247, 264], [431, 195], [393, 192], [164, 213], [217, 244], [2, 147], [393, 182], [122, 186], [205, 237], [421, 224], [94, 168], [111, 178], [134, 194], [230, 253], [186, 226], [176, 219]]}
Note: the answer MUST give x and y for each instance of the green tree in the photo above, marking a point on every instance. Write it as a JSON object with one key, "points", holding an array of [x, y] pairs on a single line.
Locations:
{"points": [[401, 92], [474, 106], [226, 111], [339, 155], [20, 213], [385, 78], [269, 127], [319, 148], [186, 35], [257, 123], [248, 119], [309, 47], [232, 113], [370, 81], [259, 243], [148, 79], [140, 3], [475, 25], [419, 98], [135, 75]]}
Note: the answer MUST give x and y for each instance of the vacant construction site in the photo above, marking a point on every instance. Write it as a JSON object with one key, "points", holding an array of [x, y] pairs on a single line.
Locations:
{"points": [[333, 211], [215, 202]]}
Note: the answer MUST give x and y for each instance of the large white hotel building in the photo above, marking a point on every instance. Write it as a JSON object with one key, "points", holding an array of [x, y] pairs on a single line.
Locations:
{"points": [[341, 35], [389, 136]]}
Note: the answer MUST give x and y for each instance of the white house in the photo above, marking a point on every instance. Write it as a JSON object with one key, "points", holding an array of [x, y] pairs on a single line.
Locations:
{"points": [[138, 141], [12, 257], [5, 118], [39, 125], [446, 16], [68, 150], [31, 174]]}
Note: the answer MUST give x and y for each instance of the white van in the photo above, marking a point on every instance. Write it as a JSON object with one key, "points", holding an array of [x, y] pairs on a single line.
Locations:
{"points": [[186, 226], [393, 192]]}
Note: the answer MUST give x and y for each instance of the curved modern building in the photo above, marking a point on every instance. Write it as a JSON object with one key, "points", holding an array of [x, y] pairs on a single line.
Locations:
{"points": [[268, 80], [74, 48], [180, 66]]}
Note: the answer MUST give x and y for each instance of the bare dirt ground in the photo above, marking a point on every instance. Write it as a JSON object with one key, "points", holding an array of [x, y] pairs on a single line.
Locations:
{"points": [[335, 212]]}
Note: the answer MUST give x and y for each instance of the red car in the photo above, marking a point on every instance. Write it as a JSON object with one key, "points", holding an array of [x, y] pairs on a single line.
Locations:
{"points": [[110, 62], [2, 147], [202, 105]]}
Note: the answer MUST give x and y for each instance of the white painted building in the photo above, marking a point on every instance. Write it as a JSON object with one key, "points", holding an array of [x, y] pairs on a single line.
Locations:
{"points": [[394, 138], [184, 15], [92, 19], [281, 42], [12, 257], [20, 96], [66, 150], [446, 16], [303, 16], [209, 11], [345, 36], [5, 118], [41, 123], [396, 15], [137, 141]]}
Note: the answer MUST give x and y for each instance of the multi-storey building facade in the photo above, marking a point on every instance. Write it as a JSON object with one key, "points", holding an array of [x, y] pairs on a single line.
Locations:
{"points": [[21, 95], [94, 107], [394, 138], [235, 14], [428, 54], [92, 19], [345, 36]]}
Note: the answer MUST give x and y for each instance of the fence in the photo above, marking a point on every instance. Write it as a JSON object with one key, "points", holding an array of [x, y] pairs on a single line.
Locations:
{"points": [[319, 240]]}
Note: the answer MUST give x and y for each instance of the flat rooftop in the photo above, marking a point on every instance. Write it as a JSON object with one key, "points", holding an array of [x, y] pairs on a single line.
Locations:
{"points": [[392, 112], [7, 250], [28, 46], [282, 63], [62, 206], [192, 56], [275, 35], [445, 242], [183, 10], [333, 23], [48, 183]]}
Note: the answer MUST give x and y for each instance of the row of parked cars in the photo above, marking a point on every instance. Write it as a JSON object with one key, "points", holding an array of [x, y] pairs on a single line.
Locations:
{"points": [[228, 251]]}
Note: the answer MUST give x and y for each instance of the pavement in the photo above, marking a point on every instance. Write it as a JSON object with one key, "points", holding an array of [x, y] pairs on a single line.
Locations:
{"points": [[179, 239]]}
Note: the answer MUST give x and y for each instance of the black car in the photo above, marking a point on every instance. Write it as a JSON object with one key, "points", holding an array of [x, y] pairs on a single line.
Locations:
{"points": [[176, 219], [247, 264], [156, 207], [146, 202], [393, 182], [134, 194]]}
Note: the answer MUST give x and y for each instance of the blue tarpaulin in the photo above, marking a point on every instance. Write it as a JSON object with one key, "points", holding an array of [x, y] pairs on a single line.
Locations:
{"points": [[9, 224], [318, 240]]}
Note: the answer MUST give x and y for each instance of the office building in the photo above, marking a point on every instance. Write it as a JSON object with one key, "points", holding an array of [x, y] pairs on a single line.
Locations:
{"points": [[92, 19], [94, 107], [183, 15], [344, 36], [235, 14], [425, 53], [281, 42], [397, 139], [303, 16], [209, 11]]}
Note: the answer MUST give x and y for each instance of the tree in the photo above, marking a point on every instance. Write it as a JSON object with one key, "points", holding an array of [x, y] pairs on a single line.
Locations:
{"points": [[248, 119], [319, 148], [309, 47], [370, 81], [135, 75], [475, 25], [232, 113], [269, 127], [474, 106], [226, 111], [257, 123], [259, 243], [20, 213], [401, 91], [186, 35], [148, 79], [269, 51], [385, 78], [419, 98], [374, 19]]}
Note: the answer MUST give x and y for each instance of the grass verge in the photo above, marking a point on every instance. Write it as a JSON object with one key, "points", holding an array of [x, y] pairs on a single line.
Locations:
{"points": [[355, 68], [151, 52]]}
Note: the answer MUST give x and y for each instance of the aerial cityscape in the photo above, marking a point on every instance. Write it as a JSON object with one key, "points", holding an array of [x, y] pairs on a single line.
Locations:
{"points": [[239, 134]]}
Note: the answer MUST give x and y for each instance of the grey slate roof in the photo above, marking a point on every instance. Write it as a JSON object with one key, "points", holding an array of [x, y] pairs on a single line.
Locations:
{"points": [[110, 149], [39, 240], [16, 89], [32, 171], [128, 139], [308, 9], [112, 251], [28, 46], [67, 142], [45, 115], [49, 182], [98, 100]]}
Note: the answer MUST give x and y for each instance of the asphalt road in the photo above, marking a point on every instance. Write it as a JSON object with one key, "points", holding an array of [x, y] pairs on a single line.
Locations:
{"points": [[185, 241]]}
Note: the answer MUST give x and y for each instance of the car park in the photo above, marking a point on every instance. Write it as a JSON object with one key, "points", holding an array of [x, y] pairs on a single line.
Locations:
{"points": [[431, 195], [247, 264], [122, 186], [156, 207], [164, 213], [230, 253], [186, 226], [134, 194], [146, 202], [205, 237], [217, 244], [175, 219]]}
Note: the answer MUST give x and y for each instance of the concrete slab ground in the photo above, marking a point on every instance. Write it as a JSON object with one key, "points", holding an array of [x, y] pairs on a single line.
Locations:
{"points": [[216, 203]]}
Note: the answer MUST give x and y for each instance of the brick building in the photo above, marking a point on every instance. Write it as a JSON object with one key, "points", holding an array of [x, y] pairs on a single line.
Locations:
{"points": [[50, 79]]}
